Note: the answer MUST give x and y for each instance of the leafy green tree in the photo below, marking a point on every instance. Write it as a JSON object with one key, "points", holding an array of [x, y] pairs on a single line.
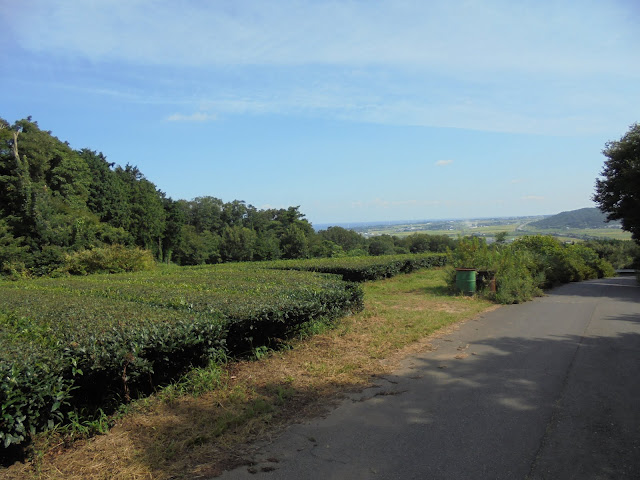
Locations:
{"points": [[237, 244], [108, 197], [46, 190], [501, 237], [422, 242], [205, 214], [321, 247], [197, 248], [282, 218], [258, 220], [234, 213], [69, 177], [294, 243], [618, 192], [55, 202], [13, 254], [15, 180], [347, 239], [173, 232], [147, 220], [382, 245], [52, 164], [417, 243], [267, 246]]}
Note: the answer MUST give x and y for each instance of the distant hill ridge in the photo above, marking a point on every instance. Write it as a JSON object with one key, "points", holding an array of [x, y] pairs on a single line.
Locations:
{"points": [[581, 218]]}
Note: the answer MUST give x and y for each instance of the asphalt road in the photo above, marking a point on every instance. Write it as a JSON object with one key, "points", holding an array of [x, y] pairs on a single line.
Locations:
{"points": [[545, 390]]}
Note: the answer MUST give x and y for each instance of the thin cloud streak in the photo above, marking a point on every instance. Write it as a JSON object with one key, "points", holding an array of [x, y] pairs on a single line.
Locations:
{"points": [[492, 66], [480, 37], [194, 117], [442, 163]]}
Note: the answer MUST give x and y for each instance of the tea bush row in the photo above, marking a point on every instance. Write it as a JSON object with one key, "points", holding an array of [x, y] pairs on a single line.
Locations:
{"points": [[364, 268], [83, 342]]}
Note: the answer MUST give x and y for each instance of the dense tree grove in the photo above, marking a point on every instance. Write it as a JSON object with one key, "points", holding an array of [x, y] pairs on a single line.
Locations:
{"points": [[56, 201]]}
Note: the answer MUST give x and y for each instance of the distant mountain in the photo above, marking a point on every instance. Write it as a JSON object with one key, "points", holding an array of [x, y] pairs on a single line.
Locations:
{"points": [[581, 218]]}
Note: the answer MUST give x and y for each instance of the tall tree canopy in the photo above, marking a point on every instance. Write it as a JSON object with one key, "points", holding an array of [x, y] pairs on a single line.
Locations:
{"points": [[618, 192]]}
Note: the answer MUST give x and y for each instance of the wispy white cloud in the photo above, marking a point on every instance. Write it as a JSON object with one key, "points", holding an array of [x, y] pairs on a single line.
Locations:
{"points": [[542, 67], [442, 163], [193, 117], [482, 36]]}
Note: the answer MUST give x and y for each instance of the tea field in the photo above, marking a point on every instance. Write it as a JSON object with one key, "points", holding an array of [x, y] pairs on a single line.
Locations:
{"points": [[73, 345]]}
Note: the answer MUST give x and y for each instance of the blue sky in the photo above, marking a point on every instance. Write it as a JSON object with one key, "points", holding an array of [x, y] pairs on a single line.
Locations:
{"points": [[353, 110]]}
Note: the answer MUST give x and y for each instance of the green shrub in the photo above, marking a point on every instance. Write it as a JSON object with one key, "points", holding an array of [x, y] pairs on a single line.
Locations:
{"points": [[619, 253], [590, 263], [472, 252], [108, 259], [515, 281], [531, 263], [563, 263], [14, 270]]}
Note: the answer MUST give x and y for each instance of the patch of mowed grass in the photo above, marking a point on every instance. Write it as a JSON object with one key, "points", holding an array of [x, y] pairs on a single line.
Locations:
{"points": [[202, 424], [411, 307]]}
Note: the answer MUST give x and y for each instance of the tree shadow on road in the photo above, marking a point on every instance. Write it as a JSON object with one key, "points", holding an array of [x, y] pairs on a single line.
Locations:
{"points": [[476, 408], [619, 288]]}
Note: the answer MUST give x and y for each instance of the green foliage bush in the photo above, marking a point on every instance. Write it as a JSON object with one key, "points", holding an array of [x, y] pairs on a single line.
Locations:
{"points": [[108, 259], [514, 280], [471, 252], [619, 253], [563, 263], [528, 265]]}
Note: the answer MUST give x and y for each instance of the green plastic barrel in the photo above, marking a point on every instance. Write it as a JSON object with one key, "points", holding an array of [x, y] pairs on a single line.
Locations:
{"points": [[466, 280]]}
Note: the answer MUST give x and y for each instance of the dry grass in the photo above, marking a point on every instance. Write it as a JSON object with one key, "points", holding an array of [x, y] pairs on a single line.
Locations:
{"points": [[186, 436]]}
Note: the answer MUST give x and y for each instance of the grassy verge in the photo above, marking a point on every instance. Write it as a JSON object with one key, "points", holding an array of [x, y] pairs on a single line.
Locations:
{"points": [[202, 424]]}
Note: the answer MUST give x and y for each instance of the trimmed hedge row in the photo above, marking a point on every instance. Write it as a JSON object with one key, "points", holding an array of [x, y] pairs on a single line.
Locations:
{"points": [[365, 268], [85, 342]]}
